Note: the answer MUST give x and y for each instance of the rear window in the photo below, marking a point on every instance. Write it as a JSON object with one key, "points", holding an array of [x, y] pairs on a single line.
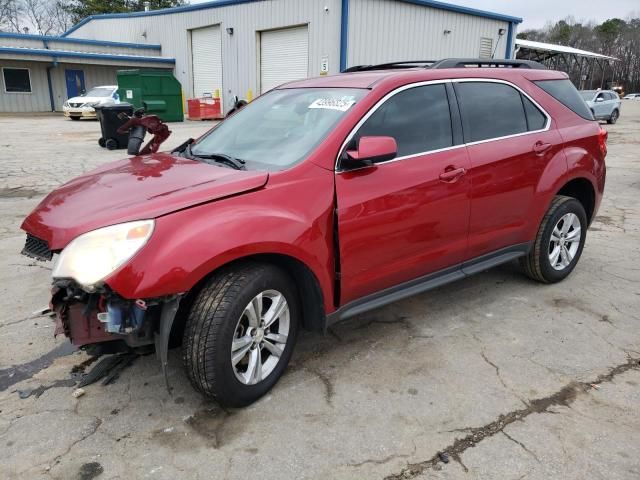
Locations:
{"points": [[566, 93]]}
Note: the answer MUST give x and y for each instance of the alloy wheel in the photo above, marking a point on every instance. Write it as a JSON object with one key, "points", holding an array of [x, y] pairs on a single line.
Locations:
{"points": [[260, 337], [565, 241]]}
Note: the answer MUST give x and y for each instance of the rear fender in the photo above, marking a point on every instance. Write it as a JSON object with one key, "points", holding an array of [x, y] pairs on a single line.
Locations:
{"points": [[570, 163]]}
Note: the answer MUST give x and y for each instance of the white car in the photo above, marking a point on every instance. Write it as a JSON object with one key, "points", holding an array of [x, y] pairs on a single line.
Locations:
{"points": [[82, 106], [632, 96]]}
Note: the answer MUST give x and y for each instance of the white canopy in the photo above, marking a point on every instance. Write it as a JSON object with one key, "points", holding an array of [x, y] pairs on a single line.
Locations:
{"points": [[551, 48]]}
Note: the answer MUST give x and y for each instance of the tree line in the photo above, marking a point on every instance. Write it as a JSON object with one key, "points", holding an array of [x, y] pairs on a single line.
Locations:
{"points": [[615, 37], [53, 17]]}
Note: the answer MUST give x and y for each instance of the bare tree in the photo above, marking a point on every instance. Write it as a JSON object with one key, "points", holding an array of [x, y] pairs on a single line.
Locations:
{"points": [[11, 15], [45, 17], [38, 14]]}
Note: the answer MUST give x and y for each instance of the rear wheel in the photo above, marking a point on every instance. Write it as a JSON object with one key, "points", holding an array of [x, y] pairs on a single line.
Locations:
{"points": [[559, 242], [240, 333], [614, 117]]}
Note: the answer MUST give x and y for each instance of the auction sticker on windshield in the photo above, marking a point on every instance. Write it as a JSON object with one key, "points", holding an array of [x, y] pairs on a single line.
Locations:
{"points": [[342, 104]]}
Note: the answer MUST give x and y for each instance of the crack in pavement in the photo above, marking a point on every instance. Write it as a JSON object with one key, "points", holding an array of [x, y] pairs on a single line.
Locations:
{"points": [[91, 430], [563, 397], [326, 382], [522, 445], [384, 460]]}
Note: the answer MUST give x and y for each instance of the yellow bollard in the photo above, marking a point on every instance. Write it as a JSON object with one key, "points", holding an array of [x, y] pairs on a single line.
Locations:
{"points": [[216, 93], [249, 95]]}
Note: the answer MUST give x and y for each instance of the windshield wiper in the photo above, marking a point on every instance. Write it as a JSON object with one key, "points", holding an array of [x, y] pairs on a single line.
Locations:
{"points": [[228, 160]]}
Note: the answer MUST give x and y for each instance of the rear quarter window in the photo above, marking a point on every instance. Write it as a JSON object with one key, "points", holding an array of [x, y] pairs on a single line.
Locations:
{"points": [[564, 92]]}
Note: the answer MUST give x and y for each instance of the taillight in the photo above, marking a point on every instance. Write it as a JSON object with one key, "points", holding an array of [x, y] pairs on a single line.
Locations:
{"points": [[602, 141]]}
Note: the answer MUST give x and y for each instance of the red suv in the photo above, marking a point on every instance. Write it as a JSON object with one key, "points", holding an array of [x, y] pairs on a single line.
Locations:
{"points": [[320, 200]]}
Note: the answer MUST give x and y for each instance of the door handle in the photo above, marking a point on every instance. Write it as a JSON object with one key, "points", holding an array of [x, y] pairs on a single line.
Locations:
{"points": [[541, 148], [451, 174]]}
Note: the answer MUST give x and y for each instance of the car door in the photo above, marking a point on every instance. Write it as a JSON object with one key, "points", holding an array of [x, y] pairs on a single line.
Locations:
{"points": [[407, 217], [510, 143], [601, 105]]}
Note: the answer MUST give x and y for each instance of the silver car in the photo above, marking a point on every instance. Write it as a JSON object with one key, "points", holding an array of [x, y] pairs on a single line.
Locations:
{"points": [[604, 104]]}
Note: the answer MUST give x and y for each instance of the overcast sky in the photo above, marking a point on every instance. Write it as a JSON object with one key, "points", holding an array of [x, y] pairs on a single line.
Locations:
{"points": [[537, 12]]}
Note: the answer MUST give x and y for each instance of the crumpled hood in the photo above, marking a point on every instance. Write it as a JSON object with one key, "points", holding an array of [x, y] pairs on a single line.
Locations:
{"points": [[134, 189]]}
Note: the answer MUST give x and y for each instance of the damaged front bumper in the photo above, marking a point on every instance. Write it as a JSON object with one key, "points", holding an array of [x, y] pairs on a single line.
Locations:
{"points": [[103, 322]]}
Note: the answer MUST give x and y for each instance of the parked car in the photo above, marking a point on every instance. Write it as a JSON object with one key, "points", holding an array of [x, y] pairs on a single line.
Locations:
{"points": [[320, 200], [83, 106], [632, 96], [604, 104]]}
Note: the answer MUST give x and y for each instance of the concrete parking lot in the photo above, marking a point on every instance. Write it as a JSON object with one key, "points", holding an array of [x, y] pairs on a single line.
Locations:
{"points": [[491, 377]]}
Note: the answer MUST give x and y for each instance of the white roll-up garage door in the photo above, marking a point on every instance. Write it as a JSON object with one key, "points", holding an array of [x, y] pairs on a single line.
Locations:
{"points": [[206, 52], [284, 56]]}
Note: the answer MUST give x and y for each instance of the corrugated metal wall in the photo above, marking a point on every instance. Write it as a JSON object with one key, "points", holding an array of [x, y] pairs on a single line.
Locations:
{"points": [[240, 51], [94, 75], [387, 30], [37, 101], [379, 31], [30, 42]]}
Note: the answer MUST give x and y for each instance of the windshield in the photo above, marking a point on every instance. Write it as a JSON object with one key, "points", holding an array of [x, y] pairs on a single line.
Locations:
{"points": [[587, 95], [99, 92], [280, 128]]}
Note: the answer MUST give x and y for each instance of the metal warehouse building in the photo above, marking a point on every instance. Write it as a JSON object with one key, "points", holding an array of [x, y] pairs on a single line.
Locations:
{"points": [[40, 72], [246, 47]]}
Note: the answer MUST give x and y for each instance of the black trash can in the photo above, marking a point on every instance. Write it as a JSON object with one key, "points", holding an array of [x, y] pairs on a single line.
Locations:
{"points": [[110, 122]]}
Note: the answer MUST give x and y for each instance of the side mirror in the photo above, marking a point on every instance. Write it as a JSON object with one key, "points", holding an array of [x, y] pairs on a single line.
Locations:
{"points": [[599, 99], [371, 150]]}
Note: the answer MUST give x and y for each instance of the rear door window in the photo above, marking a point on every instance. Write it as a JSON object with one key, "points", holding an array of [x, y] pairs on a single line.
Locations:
{"points": [[418, 118], [564, 92], [490, 110]]}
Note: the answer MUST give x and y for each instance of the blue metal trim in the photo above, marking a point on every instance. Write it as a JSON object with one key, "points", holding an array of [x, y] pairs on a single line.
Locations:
{"points": [[344, 34], [100, 56], [225, 3], [467, 10], [509, 41], [162, 11], [83, 41], [50, 84]]}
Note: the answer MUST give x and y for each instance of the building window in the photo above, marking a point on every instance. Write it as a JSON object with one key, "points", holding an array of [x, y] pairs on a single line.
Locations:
{"points": [[486, 47], [16, 80]]}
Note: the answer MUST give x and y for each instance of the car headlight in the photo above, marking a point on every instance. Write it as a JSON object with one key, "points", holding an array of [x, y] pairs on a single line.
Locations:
{"points": [[94, 255], [66, 104], [90, 104]]}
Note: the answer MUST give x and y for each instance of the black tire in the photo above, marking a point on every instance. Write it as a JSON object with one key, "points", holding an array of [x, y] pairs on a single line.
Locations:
{"points": [[74, 118], [101, 142], [536, 264], [614, 117], [111, 144], [211, 327]]}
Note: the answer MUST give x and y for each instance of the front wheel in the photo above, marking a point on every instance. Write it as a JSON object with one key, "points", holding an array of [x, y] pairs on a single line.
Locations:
{"points": [[559, 241], [240, 333], [614, 117]]}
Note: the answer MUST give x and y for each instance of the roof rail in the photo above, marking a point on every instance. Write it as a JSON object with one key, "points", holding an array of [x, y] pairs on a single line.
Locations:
{"points": [[391, 65], [486, 62]]}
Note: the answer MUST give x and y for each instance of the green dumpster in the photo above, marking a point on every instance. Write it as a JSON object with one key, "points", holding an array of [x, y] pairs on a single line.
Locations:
{"points": [[157, 91]]}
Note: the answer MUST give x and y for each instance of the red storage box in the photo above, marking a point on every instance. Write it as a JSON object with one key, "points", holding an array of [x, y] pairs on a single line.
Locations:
{"points": [[204, 108]]}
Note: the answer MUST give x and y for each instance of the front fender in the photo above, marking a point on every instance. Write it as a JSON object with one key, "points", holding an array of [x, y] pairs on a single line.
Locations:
{"points": [[188, 245]]}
